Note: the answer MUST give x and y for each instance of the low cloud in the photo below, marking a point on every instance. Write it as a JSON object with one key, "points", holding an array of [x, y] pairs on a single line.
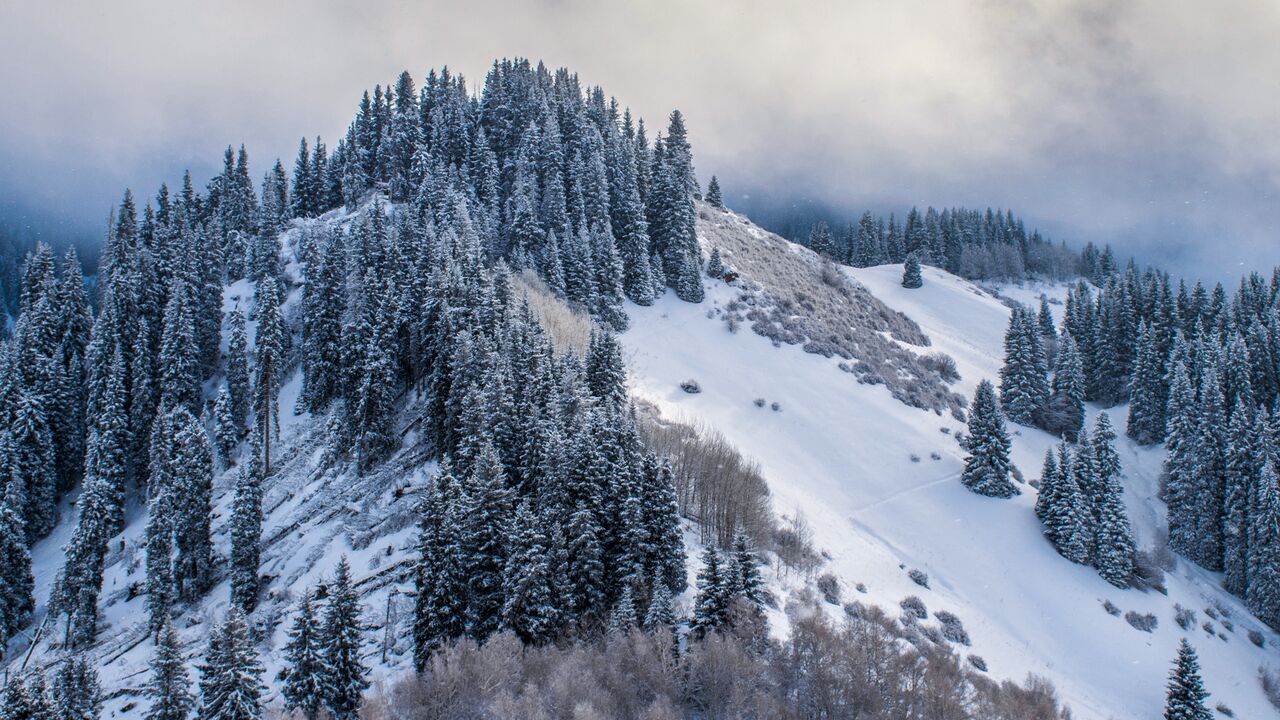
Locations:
{"points": [[1148, 125]]}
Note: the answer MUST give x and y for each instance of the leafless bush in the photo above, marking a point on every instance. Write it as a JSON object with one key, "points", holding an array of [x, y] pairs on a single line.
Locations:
{"points": [[715, 485], [1257, 638], [919, 577], [821, 670], [914, 607], [978, 662], [1145, 623], [1224, 710], [793, 544], [1110, 608], [952, 628], [943, 364], [1209, 628], [796, 298], [568, 327], [1185, 617], [829, 586], [1270, 680], [691, 386]]}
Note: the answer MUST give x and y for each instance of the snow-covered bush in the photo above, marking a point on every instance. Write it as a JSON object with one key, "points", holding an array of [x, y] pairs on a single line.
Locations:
{"points": [[691, 386], [759, 402], [1257, 638], [829, 586], [1270, 680], [775, 406], [913, 607], [943, 364], [978, 663], [1144, 622], [1208, 628], [1185, 617], [919, 577], [952, 628], [1224, 710], [1110, 608]]}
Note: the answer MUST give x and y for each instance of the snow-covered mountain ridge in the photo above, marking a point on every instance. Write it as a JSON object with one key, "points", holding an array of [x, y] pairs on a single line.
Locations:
{"points": [[854, 457], [878, 482]]}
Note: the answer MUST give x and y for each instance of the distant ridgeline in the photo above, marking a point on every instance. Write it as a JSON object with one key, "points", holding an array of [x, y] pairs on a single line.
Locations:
{"points": [[974, 244]]}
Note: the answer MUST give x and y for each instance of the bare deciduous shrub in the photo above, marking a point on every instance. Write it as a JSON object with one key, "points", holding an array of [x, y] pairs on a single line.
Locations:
{"points": [[943, 364], [759, 402], [1185, 617], [829, 586], [1145, 623], [775, 406], [915, 458], [1256, 638], [793, 544], [952, 628], [715, 485], [1209, 628], [793, 296], [914, 607], [1110, 608], [691, 386], [919, 577], [1270, 680], [858, 668], [1227, 624], [978, 662], [1222, 708], [568, 327], [934, 456], [1211, 612], [860, 587]]}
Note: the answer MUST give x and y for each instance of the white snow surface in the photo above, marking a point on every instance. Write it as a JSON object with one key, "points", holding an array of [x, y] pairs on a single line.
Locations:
{"points": [[840, 453]]}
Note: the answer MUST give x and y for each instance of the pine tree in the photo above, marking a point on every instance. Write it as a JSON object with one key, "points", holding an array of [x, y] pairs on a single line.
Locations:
{"points": [[1180, 488], [225, 430], [238, 369], [1024, 384], [168, 687], [746, 570], [911, 277], [1048, 477], [16, 581], [1243, 433], [1263, 594], [31, 465], [1113, 546], [303, 675], [179, 358], [1066, 403], [440, 579], [230, 678], [1068, 516], [713, 195], [623, 619], [1186, 697], [711, 608], [344, 675], [485, 543], [75, 691], [246, 537], [986, 469], [269, 345], [715, 265], [530, 609], [1148, 393]]}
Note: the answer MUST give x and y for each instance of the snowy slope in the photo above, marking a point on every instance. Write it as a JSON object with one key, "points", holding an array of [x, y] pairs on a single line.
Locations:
{"points": [[840, 453]]}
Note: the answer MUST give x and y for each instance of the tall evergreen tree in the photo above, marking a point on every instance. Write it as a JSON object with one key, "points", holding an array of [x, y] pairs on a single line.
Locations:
{"points": [[530, 608], [440, 576], [986, 469], [168, 688], [76, 695], [344, 673], [911, 277], [230, 678], [238, 369], [303, 676], [269, 346], [1186, 697], [246, 537]]}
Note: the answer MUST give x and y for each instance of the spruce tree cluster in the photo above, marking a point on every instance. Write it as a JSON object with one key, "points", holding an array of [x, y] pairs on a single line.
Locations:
{"points": [[1082, 507]]}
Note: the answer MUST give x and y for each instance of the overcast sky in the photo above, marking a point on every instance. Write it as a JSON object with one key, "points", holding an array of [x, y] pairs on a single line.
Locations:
{"points": [[1152, 125]]}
